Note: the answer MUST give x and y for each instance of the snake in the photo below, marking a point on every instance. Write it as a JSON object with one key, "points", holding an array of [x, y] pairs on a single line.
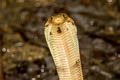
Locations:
{"points": [[61, 36]]}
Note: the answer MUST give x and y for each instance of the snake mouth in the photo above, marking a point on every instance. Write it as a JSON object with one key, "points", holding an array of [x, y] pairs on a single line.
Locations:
{"points": [[59, 19]]}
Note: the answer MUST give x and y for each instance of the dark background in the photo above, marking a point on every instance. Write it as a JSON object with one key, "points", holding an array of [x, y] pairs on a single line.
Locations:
{"points": [[24, 50]]}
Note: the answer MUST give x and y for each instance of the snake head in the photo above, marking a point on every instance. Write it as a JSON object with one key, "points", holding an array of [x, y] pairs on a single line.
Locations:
{"points": [[59, 24], [59, 19]]}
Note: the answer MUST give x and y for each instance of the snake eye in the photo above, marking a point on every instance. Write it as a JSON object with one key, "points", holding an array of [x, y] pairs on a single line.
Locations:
{"points": [[46, 24], [65, 15], [49, 21], [51, 18]]}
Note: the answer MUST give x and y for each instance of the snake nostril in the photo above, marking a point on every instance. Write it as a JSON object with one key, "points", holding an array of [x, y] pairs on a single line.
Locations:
{"points": [[58, 20]]}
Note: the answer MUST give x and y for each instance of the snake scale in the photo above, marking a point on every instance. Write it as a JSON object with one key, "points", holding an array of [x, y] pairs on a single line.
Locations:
{"points": [[61, 37]]}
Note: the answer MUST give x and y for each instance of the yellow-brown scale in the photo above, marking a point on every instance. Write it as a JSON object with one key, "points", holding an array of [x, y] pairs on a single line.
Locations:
{"points": [[61, 36]]}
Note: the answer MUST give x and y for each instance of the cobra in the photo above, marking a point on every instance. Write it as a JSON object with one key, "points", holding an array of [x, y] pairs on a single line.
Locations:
{"points": [[61, 36]]}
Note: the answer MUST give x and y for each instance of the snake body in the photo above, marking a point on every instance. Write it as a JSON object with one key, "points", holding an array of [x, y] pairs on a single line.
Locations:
{"points": [[61, 37]]}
